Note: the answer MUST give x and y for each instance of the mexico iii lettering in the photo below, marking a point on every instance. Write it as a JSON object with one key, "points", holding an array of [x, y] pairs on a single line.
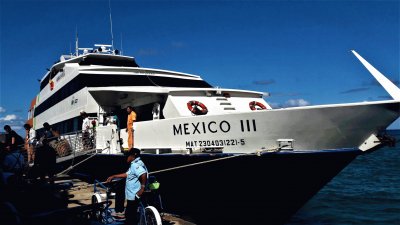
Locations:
{"points": [[201, 128], [249, 126]]}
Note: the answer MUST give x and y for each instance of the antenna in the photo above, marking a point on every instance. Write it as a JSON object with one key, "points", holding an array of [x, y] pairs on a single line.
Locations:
{"points": [[70, 48], [112, 35], [76, 43], [122, 51]]}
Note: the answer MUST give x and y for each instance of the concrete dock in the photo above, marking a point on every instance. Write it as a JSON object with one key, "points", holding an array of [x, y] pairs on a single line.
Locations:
{"points": [[81, 194]]}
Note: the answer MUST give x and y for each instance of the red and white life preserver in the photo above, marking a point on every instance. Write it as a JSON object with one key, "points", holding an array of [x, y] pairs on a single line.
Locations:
{"points": [[197, 108], [254, 105]]}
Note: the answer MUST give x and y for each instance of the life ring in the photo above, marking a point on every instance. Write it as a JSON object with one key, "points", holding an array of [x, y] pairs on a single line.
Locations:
{"points": [[254, 105], [197, 108]]}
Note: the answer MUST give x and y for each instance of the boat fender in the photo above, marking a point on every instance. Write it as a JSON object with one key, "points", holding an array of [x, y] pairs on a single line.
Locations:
{"points": [[197, 108], [254, 105]]}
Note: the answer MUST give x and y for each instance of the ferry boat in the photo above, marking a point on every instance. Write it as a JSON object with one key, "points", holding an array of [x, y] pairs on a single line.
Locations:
{"points": [[223, 156]]}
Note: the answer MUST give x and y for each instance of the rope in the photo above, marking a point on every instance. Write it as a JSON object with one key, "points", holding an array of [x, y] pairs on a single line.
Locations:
{"points": [[258, 153], [73, 166]]}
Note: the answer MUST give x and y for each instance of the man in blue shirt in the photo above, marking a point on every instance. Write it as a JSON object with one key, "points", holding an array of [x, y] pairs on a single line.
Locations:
{"points": [[136, 178]]}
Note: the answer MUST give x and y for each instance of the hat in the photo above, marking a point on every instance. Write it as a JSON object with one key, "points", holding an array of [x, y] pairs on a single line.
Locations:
{"points": [[132, 151], [82, 111]]}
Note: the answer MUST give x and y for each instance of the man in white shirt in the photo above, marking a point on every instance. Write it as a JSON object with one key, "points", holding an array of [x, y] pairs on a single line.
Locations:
{"points": [[86, 122], [85, 131]]}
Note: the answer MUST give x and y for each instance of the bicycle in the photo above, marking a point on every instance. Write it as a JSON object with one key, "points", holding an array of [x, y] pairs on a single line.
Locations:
{"points": [[147, 209], [103, 213]]}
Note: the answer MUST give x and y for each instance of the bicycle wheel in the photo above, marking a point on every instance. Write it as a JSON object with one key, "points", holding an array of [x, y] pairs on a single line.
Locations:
{"points": [[152, 216], [96, 212]]}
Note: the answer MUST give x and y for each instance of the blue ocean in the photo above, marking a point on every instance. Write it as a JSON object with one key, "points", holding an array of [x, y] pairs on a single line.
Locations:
{"points": [[366, 192]]}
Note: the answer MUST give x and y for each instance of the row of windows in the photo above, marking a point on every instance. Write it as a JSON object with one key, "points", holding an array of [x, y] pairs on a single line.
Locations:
{"points": [[67, 126], [91, 60], [104, 80]]}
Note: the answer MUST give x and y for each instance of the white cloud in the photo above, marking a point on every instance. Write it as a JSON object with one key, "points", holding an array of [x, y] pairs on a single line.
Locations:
{"points": [[8, 117], [275, 105], [2, 109], [296, 102]]}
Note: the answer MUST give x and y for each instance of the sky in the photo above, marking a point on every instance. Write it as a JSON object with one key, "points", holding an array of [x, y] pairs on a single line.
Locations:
{"points": [[298, 51]]}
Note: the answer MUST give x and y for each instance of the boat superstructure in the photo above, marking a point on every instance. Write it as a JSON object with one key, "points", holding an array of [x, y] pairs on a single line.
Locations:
{"points": [[183, 120]]}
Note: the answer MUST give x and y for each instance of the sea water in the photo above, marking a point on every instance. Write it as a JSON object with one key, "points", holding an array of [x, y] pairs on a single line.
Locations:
{"points": [[366, 192]]}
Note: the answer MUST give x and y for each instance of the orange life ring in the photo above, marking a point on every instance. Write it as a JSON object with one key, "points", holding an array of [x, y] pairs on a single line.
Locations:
{"points": [[254, 105], [197, 108]]}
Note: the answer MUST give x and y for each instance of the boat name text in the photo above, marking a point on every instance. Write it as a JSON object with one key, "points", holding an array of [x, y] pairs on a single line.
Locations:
{"points": [[212, 127]]}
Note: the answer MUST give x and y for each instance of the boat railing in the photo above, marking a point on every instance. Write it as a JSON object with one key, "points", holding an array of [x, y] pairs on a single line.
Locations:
{"points": [[70, 145]]}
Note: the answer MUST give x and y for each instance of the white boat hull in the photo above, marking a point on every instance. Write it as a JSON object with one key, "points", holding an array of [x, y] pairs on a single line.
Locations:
{"points": [[312, 128]]}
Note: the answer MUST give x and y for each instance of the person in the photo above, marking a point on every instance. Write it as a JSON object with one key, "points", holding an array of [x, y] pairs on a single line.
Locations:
{"points": [[12, 160], [106, 119], [30, 142], [85, 131], [156, 111], [114, 120], [13, 140], [136, 178], [49, 132], [45, 160], [130, 128], [86, 121]]}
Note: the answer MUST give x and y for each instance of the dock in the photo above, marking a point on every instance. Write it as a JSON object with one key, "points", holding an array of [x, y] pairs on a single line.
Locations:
{"points": [[81, 194]]}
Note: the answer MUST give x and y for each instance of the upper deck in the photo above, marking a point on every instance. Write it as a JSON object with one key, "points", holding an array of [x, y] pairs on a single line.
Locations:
{"points": [[99, 59]]}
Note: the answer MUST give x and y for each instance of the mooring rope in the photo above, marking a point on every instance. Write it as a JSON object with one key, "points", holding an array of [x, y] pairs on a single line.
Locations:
{"points": [[73, 166], [258, 152]]}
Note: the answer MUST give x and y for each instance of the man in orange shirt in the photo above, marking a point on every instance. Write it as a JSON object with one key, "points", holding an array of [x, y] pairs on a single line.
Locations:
{"points": [[129, 127]]}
